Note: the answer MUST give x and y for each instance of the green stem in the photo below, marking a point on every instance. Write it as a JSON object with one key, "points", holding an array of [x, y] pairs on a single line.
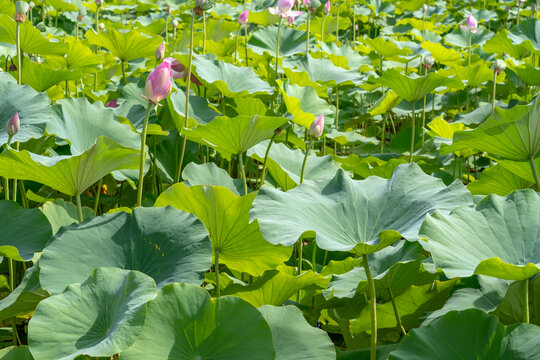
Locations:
{"points": [[336, 117], [236, 44], [373, 303], [23, 195], [19, 58], [494, 91], [98, 193], [79, 207], [143, 155], [124, 72], [383, 137], [337, 23], [243, 172], [525, 299], [277, 46], [246, 41], [12, 287], [412, 132], [6, 188], [167, 29], [424, 113], [308, 26], [216, 267], [314, 255], [204, 32], [535, 173], [305, 160], [263, 176], [470, 47], [322, 28], [396, 313]]}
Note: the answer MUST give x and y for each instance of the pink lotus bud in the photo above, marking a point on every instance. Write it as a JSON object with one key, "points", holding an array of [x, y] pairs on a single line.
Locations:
{"points": [[160, 51], [178, 70], [326, 8], [158, 84], [243, 17], [13, 125], [168, 10], [285, 5], [317, 126], [112, 103]]}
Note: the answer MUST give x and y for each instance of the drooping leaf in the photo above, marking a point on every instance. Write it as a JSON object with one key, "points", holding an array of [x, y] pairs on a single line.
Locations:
{"points": [[16, 353], [211, 174], [41, 77], [498, 180], [526, 33], [291, 41]]}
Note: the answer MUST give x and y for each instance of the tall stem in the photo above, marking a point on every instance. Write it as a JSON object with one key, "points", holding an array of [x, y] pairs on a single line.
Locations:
{"points": [[525, 299], [204, 32], [322, 28], [424, 113], [396, 313], [308, 26], [373, 303], [412, 132], [12, 287], [337, 23], [79, 207], [98, 193], [305, 160], [143, 155], [494, 91], [535, 173], [124, 71], [216, 267], [243, 172], [383, 136], [336, 117], [188, 87], [263, 175], [19, 58], [470, 50], [277, 46], [246, 41], [236, 44]]}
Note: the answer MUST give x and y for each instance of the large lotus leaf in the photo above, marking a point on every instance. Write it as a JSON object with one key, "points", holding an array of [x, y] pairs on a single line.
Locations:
{"points": [[235, 135], [81, 58], [442, 54], [350, 138], [81, 123], [61, 213], [530, 75], [521, 168], [275, 287], [365, 354], [240, 243], [413, 89], [368, 166], [526, 33], [100, 317], [23, 231], [198, 109], [184, 322], [294, 338], [32, 41], [510, 306], [34, 110], [211, 174], [498, 180], [410, 305], [291, 41], [303, 103], [385, 48], [285, 165], [309, 71], [342, 56], [127, 46], [460, 37], [469, 334], [230, 80], [472, 75], [165, 244], [501, 44], [16, 353], [41, 77], [511, 134], [499, 238], [24, 299], [70, 175], [364, 216], [385, 103]]}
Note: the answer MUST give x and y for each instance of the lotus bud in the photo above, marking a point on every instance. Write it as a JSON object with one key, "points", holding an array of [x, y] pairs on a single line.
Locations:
{"points": [[326, 8], [203, 5], [101, 26], [174, 23], [472, 24], [160, 51], [317, 126], [498, 66], [424, 8], [168, 10], [243, 17], [112, 103], [99, 2], [31, 5], [82, 14], [533, 7], [428, 62], [13, 125], [21, 8], [158, 84]]}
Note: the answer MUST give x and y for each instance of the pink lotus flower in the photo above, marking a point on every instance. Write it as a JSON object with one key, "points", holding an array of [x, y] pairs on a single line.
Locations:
{"points": [[158, 84], [307, 2], [160, 51], [326, 8], [243, 17], [13, 125], [317, 126], [178, 70], [283, 9], [471, 24], [112, 103]]}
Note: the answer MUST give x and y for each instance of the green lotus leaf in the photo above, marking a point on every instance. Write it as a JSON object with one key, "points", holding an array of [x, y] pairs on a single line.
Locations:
{"points": [[364, 354], [41, 77], [294, 338], [512, 134], [70, 175], [285, 165], [263, 18], [342, 56], [7, 8], [510, 304], [472, 75], [368, 166], [99, 317], [235, 135], [460, 37], [363, 216], [501, 44], [16, 353], [385, 48], [469, 334], [198, 109], [478, 115], [230, 80], [498, 180], [240, 243], [350, 138], [309, 71], [526, 73], [385, 103], [82, 123], [395, 267], [183, 322], [275, 287], [24, 299], [414, 89], [303, 103], [32, 41], [291, 41], [381, 8], [127, 46], [23, 231], [498, 238], [526, 33], [81, 58], [442, 54], [34, 110], [211, 174], [165, 244], [61, 213], [520, 168]]}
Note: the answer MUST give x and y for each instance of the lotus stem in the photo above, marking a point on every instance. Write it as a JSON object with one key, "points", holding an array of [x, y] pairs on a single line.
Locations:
{"points": [[277, 46], [535, 172], [15, 180], [143, 155], [412, 132], [322, 28], [236, 44], [383, 136], [424, 113], [308, 30], [12, 287], [188, 86], [314, 255], [19, 58], [24, 200], [167, 29], [77, 30], [396, 313], [263, 175], [98, 193], [216, 267], [79, 207], [470, 47], [373, 303], [204, 32], [337, 23], [494, 91], [246, 41], [305, 160], [124, 71], [243, 172], [336, 120], [525, 300]]}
